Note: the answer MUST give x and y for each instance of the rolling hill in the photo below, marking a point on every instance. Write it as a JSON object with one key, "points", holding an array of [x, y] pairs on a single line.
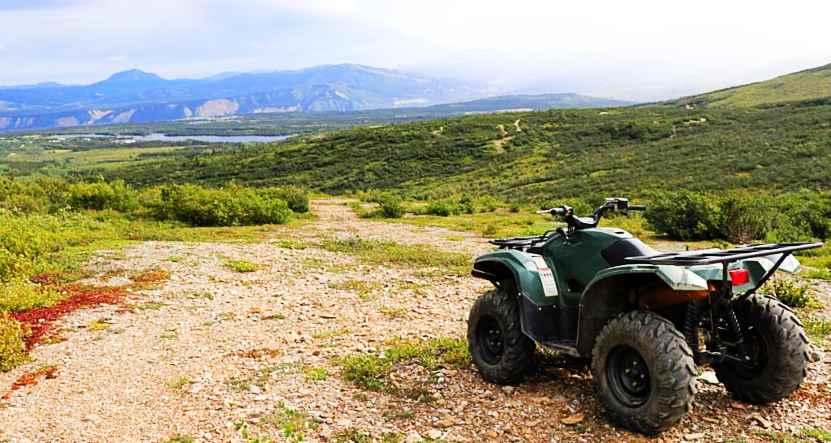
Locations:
{"points": [[809, 84], [531, 156]]}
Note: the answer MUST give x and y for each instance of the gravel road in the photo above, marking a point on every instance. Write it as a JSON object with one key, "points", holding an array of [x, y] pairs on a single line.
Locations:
{"points": [[219, 355]]}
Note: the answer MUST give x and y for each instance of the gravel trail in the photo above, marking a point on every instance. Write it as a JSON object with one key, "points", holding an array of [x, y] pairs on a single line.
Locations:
{"points": [[219, 355]]}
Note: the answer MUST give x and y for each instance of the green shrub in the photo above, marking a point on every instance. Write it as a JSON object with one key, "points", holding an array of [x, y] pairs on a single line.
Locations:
{"points": [[233, 206], [685, 215], [102, 195], [242, 266], [740, 217], [390, 206], [12, 347], [443, 208], [372, 371], [24, 242], [745, 217], [20, 295], [296, 198], [790, 293]]}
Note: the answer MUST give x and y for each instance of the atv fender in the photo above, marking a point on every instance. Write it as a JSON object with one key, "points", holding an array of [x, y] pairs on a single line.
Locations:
{"points": [[518, 266], [606, 295]]}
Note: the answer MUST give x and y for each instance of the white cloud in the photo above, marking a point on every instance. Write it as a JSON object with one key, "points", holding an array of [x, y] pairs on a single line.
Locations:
{"points": [[633, 49]]}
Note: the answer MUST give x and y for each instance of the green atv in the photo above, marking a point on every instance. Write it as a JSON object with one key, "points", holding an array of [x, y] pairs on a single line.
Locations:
{"points": [[645, 318]]}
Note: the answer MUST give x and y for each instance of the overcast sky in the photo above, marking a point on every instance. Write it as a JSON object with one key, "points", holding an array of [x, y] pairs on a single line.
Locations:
{"points": [[631, 49]]}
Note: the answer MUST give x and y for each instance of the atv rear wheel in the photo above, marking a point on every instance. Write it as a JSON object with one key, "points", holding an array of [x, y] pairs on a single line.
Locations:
{"points": [[643, 372], [777, 348], [500, 350]]}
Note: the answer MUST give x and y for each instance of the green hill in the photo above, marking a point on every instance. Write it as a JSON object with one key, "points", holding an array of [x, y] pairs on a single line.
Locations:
{"points": [[804, 85], [532, 156]]}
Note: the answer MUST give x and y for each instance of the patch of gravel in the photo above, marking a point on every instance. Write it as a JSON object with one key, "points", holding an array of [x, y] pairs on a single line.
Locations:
{"points": [[219, 355]]}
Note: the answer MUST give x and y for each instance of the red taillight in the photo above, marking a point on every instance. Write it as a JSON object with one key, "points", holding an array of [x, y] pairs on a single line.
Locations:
{"points": [[739, 276]]}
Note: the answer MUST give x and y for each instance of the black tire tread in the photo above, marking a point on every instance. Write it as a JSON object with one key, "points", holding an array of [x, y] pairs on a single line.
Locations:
{"points": [[519, 349], [673, 370], [783, 374]]}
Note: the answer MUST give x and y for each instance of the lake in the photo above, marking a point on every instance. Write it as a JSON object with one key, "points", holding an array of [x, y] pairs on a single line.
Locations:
{"points": [[211, 138], [182, 138]]}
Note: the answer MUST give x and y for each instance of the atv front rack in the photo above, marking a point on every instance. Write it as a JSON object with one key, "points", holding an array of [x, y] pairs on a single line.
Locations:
{"points": [[711, 256]]}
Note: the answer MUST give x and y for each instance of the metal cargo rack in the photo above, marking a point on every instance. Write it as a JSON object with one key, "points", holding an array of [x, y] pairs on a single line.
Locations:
{"points": [[727, 256], [711, 256]]}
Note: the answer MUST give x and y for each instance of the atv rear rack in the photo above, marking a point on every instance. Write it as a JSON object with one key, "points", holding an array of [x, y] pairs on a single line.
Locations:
{"points": [[711, 256], [727, 256]]}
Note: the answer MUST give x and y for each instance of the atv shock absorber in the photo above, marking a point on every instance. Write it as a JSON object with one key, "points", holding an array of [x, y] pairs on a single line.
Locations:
{"points": [[691, 329], [733, 325]]}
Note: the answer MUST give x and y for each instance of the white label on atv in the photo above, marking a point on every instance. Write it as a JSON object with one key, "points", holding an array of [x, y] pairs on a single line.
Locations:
{"points": [[549, 285]]}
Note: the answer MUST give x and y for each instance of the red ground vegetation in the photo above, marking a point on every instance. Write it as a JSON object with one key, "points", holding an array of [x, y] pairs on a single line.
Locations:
{"points": [[30, 379], [41, 320]]}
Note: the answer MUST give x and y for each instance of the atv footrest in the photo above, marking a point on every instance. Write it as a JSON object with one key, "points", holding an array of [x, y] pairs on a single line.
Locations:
{"points": [[567, 346]]}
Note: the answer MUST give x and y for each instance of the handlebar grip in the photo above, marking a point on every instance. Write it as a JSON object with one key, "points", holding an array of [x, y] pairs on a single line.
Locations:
{"points": [[553, 211], [637, 208]]}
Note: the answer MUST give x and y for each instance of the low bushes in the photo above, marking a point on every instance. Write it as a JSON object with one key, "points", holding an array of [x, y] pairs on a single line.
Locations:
{"points": [[463, 204], [790, 293], [12, 346], [389, 205], [296, 198], [102, 195], [233, 206], [230, 206], [684, 215], [741, 216]]}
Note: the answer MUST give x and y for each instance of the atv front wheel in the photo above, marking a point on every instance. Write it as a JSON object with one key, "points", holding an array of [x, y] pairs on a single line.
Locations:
{"points": [[500, 350], [643, 372], [777, 350]]}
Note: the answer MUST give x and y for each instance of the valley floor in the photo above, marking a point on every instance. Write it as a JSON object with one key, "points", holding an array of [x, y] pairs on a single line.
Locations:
{"points": [[213, 354]]}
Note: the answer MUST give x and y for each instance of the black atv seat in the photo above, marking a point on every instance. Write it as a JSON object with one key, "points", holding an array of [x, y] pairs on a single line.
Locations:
{"points": [[518, 242], [619, 251], [584, 222]]}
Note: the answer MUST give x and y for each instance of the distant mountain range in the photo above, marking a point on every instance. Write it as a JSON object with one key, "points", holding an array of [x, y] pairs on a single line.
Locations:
{"points": [[140, 97], [804, 85]]}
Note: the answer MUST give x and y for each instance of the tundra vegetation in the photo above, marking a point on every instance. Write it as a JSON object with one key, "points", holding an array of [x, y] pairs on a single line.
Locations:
{"points": [[49, 226], [711, 176]]}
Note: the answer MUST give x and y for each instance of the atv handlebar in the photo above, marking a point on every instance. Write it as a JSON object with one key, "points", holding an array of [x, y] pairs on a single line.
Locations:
{"points": [[574, 222], [554, 211]]}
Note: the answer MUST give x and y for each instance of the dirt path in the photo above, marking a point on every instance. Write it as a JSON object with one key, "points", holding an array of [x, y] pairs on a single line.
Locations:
{"points": [[219, 355]]}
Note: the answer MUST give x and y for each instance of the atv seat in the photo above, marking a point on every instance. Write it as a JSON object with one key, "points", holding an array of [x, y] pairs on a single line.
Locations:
{"points": [[584, 222], [619, 251], [518, 242]]}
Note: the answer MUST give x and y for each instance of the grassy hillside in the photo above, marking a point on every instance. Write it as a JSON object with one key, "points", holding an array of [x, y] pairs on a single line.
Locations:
{"points": [[533, 156], [804, 85]]}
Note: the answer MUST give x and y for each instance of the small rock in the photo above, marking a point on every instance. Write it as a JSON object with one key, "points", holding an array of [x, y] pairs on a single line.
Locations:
{"points": [[709, 377], [763, 422], [413, 437], [508, 389], [814, 354], [694, 436], [573, 419], [434, 434], [446, 422], [254, 389]]}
